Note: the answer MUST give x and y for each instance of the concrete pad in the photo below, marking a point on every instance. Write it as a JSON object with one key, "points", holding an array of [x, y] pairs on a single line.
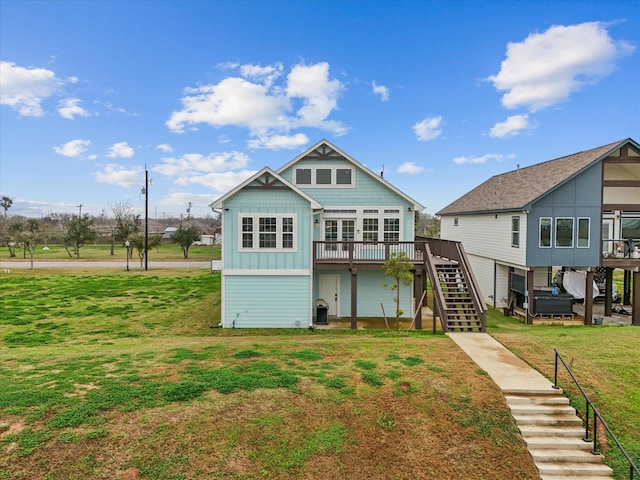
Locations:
{"points": [[507, 371]]}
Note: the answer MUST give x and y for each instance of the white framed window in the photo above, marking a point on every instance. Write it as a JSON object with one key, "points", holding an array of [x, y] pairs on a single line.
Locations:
{"points": [[455, 221], [564, 232], [584, 225], [324, 176], [267, 232], [391, 229], [545, 232], [515, 232], [370, 229]]}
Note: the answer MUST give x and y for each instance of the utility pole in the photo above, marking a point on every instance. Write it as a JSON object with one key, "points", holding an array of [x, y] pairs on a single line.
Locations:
{"points": [[146, 218], [80, 212]]}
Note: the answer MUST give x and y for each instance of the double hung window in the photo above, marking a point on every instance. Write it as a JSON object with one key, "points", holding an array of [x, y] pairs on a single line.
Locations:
{"points": [[267, 232]]}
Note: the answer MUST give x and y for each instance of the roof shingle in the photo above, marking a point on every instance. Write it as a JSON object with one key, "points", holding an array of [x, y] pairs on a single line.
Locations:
{"points": [[516, 189]]}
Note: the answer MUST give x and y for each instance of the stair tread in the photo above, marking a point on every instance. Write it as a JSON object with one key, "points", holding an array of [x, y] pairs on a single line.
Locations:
{"points": [[599, 468]]}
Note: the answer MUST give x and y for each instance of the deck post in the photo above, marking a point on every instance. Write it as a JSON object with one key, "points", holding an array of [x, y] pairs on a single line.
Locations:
{"points": [[608, 291], [588, 299], [418, 288], [354, 298], [529, 319], [635, 309]]}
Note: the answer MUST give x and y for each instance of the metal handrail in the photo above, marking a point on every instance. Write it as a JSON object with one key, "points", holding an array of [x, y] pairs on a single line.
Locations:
{"points": [[596, 417]]}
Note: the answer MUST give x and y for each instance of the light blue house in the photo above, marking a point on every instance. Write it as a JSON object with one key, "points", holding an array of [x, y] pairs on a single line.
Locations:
{"points": [[314, 232]]}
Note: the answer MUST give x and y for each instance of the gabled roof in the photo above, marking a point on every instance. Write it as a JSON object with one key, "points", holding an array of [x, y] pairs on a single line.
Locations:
{"points": [[325, 150], [266, 179], [519, 188]]}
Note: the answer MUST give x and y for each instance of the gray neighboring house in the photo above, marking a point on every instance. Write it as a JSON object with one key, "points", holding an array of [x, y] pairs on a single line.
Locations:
{"points": [[578, 214]]}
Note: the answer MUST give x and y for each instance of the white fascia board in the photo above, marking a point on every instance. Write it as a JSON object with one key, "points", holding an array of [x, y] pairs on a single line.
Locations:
{"points": [[416, 205], [219, 203]]}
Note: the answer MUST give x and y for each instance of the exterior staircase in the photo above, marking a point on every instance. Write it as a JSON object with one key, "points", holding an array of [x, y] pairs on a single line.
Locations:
{"points": [[460, 312], [555, 436]]}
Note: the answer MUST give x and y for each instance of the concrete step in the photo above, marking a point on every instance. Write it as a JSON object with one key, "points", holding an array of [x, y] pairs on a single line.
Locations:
{"points": [[541, 409], [551, 431], [536, 400], [574, 477], [565, 469], [561, 443], [558, 455], [549, 420]]}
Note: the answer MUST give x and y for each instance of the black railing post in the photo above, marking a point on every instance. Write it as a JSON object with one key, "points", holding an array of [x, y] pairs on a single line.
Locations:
{"points": [[555, 373], [595, 434], [586, 421]]}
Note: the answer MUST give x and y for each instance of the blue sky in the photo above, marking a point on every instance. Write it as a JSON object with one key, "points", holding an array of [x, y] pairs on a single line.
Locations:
{"points": [[439, 95]]}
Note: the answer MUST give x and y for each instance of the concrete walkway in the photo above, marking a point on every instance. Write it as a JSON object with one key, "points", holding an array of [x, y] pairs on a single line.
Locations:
{"points": [[547, 422], [505, 369]]}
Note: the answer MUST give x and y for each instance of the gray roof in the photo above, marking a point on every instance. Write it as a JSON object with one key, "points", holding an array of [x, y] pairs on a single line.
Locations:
{"points": [[519, 188]]}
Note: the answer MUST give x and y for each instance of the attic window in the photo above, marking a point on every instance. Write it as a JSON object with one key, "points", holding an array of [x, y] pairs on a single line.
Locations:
{"points": [[303, 176], [324, 176], [343, 176]]}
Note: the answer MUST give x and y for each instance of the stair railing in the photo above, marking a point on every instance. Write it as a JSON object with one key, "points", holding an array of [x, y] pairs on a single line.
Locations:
{"points": [[476, 298], [596, 418], [438, 297]]}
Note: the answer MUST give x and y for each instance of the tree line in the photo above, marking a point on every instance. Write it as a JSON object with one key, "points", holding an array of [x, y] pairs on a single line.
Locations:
{"points": [[74, 231]]}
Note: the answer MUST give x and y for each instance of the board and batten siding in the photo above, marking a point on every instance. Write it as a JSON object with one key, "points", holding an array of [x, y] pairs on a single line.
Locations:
{"points": [[266, 202], [267, 301]]}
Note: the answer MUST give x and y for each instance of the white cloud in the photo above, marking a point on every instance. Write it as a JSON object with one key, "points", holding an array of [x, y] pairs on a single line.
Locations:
{"points": [[193, 164], [319, 96], [120, 150], [511, 127], [219, 181], [24, 89], [70, 108], [254, 101], [180, 199], [498, 157], [546, 68], [73, 149], [428, 129], [380, 90], [119, 175], [410, 168], [264, 75], [164, 147], [278, 142]]}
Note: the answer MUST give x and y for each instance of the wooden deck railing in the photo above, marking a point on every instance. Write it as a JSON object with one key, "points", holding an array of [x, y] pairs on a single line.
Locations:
{"points": [[365, 253]]}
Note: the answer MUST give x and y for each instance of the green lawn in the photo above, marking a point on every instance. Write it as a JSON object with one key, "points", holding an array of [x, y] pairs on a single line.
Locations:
{"points": [[103, 374], [99, 252]]}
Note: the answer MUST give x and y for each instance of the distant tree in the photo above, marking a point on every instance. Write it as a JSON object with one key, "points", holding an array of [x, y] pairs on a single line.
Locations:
{"points": [[127, 223], [78, 231], [427, 225], [185, 238], [6, 204], [13, 236], [398, 267], [137, 242], [30, 236]]}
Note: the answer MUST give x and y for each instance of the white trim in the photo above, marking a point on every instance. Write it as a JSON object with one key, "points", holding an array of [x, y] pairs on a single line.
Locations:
{"points": [[588, 232], [573, 232], [416, 206], [252, 272], [219, 203], [279, 233], [358, 214], [550, 232], [315, 168]]}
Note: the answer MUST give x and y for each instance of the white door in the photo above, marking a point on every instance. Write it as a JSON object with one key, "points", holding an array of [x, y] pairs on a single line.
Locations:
{"points": [[607, 237], [328, 291]]}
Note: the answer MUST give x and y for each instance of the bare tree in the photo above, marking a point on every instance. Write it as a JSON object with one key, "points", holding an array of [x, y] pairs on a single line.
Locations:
{"points": [[127, 223]]}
